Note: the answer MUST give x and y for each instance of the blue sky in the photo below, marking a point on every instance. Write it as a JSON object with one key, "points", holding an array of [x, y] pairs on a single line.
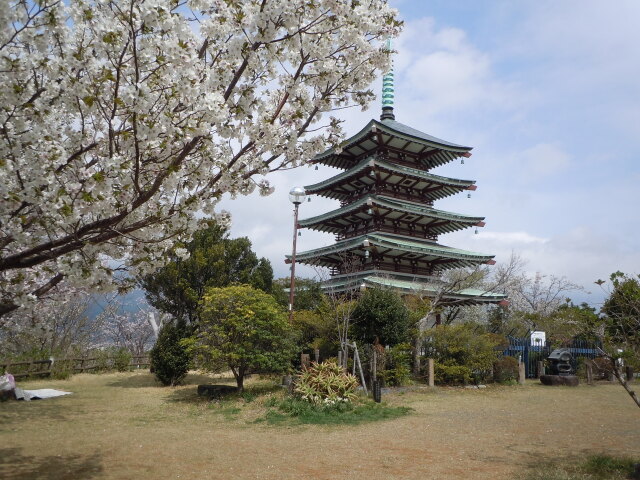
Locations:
{"points": [[548, 94]]}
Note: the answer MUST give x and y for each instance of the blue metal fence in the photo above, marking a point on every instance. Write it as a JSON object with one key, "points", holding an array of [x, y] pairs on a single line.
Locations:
{"points": [[522, 349]]}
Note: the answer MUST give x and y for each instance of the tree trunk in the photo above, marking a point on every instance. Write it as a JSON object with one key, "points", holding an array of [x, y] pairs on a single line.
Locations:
{"points": [[624, 382], [416, 355], [239, 374]]}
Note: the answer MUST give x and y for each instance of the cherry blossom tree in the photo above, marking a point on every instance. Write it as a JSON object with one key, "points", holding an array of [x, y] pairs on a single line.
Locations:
{"points": [[57, 325], [120, 120]]}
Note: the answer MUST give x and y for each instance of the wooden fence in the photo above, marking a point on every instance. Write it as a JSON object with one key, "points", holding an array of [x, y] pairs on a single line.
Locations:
{"points": [[33, 368]]}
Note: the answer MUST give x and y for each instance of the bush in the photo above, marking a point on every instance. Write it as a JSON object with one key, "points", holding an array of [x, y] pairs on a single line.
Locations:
{"points": [[326, 384], [398, 363], [122, 359], [452, 374], [169, 359], [461, 353], [602, 368], [62, 369], [103, 362], [505, 370]]}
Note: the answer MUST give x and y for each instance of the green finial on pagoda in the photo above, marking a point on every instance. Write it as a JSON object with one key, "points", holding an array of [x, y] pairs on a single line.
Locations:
{"points": [[388, 90]]}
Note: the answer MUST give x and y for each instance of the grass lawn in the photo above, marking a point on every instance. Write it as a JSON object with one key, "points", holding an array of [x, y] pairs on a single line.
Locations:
{"points": [[125, 426]]}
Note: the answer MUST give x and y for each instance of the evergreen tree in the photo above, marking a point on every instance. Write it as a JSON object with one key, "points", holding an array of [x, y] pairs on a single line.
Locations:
{"points": [[215, 260], [381, 314]]}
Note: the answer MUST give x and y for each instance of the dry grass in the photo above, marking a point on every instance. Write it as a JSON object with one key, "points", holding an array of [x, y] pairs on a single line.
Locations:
{"points": [[124, 426]]}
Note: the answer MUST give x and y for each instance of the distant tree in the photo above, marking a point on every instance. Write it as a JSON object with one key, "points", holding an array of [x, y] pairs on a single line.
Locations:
{"points": [[214, 260], [308, 293], [243, 329], [130, 330], [383, 315], [52, 326], [620, 326]]}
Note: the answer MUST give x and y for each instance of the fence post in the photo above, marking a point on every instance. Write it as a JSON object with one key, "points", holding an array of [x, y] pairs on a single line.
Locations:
{"points": [[431, 372], [304, 360], [589, 368], [540, 368], [521, 372], [316, 354], [374, 364]]}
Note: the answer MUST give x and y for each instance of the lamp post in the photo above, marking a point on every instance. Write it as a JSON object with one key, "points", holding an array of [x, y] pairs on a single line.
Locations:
{"points": [[296, 196]]}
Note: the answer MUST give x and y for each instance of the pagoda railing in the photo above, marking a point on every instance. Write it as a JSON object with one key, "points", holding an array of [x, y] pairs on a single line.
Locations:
{"points": [[386, 267], [414, 197], [415, 233]]}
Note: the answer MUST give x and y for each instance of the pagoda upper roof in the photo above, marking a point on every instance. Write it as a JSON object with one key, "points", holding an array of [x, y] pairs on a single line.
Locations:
{"points": [[417, 286], [435, 186], [394, 246], [422, 149], [439, 221]]}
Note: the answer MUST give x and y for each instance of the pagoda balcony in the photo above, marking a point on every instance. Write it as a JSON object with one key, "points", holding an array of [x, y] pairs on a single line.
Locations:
{"points": [[390, 267], [415, 232], [415, 197]]}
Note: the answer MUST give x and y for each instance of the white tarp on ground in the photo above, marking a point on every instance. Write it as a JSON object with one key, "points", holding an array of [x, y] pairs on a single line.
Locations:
{"points": [[38, 394]]}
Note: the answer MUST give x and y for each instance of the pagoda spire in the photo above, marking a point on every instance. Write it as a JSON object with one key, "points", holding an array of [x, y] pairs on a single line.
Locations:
{"points": [[388, 90]]}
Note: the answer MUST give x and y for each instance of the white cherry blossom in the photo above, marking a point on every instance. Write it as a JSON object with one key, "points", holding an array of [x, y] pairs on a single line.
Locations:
{"points": [[121, 121]]}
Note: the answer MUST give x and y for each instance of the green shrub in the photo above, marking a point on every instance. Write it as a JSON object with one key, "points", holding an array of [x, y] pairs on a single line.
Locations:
{"points": [[452, 374], [398, 365], [505, 369], [326, 384], [122, 359], [169, 359], [104, 360], [461, 353], [62, 369]]}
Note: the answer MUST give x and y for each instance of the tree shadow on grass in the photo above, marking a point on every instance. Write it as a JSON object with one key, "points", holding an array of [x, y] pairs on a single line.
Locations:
{"points": [[251, 392], [14, 412], [149, 380], [14, 465]]}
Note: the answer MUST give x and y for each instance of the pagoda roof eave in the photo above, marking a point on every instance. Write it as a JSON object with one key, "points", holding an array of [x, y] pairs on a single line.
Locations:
{"points": [[400, 169], [459, 220], [390, 128], [402, 245], [467, 296]]}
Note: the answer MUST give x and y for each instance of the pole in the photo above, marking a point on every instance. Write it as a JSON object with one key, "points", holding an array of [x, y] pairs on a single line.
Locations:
{"points": [[293, 260]]}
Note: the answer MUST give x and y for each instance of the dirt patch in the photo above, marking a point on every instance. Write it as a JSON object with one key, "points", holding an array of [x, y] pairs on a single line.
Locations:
{"points": [[122, 426]]}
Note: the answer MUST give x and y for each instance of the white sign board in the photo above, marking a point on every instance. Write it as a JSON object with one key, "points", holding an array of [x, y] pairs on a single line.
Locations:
{"points": [[538, 338]]}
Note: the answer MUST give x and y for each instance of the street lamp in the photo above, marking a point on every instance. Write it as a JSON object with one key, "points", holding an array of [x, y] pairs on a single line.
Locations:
{"points": [[296, 196]]}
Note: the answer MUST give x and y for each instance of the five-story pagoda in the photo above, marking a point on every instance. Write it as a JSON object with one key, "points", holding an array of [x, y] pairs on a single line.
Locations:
{"points": [[386, 227]]}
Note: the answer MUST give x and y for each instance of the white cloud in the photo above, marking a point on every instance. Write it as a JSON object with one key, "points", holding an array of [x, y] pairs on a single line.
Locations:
{"points": [[444, 72]]}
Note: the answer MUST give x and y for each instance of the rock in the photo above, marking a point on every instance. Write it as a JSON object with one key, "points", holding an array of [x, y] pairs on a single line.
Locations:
{"points": [[556, 380], [215, 391]]}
